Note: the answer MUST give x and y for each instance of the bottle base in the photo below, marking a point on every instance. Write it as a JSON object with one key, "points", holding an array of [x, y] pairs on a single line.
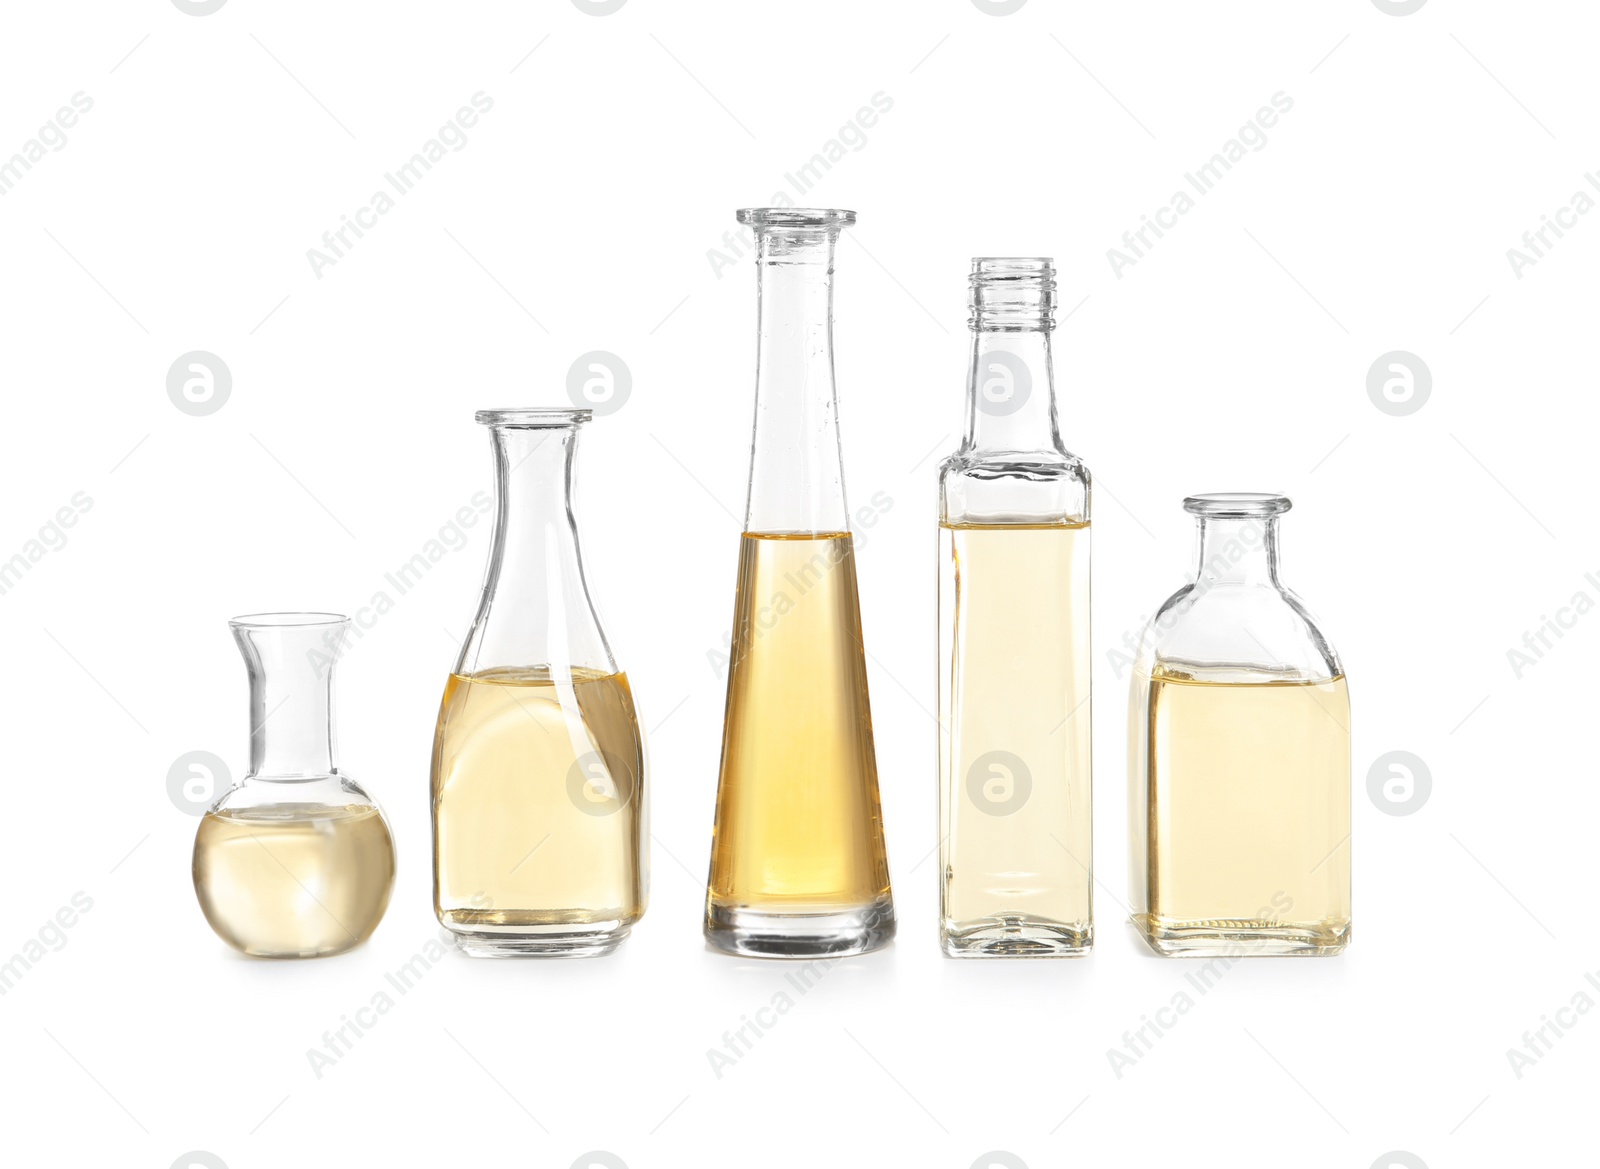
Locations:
{"points": [[1016, 936], [1173, 938], [561, 940], [834, 933], [281, 955]]}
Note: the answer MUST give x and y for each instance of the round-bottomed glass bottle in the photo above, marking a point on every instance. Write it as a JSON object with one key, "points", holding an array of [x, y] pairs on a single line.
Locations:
{"points": [[1014, 662], [297, 860], [798, 867], [1239, 790], [540, 810]]}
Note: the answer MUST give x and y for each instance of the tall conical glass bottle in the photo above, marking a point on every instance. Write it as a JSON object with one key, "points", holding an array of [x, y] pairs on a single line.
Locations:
{"points": [[797, 857], [540, 818], [1014, 663]]}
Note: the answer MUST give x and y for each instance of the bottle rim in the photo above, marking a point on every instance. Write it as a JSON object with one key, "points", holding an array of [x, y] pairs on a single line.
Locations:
{"points": [[1237, 504], [813, 217], [286, 620], [1015, 267], [550, 417]]}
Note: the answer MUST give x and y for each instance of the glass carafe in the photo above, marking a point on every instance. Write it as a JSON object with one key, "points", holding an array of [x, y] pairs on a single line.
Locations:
{"points": [[297, 860], [540, 816], [1014, 661], [1240, 755], [797, 857]]}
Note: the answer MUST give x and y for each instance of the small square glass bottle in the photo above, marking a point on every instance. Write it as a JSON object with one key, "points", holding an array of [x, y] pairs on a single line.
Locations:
{"points": [[1239, 785]]}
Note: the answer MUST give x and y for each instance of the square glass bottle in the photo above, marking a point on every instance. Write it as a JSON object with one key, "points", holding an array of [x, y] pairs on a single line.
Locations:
{"points": [[1014, 664]]}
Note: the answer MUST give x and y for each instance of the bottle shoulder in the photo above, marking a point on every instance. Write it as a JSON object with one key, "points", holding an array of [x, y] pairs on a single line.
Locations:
{"points": [[1034, 465], [262, 795], [1237, 632], [1021, 485]]}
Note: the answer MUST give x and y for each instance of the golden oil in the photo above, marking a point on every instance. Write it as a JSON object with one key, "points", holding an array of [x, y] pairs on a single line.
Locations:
{"points": [[1015, 824], [540, 812], [294, 880], [1240, 812], [798, 861]]}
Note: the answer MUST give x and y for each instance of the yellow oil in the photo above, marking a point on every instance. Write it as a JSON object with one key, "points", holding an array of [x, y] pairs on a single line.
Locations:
{"points": [[798, 827], [294, 880], [1014, 756], [1241, 816], [539, 805]]}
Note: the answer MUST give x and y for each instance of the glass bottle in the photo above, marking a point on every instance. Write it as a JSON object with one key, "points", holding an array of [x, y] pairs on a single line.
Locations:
{"points": [[540, 815], [797, 856], [296, 861], [1015, 843], [1240, 755]]}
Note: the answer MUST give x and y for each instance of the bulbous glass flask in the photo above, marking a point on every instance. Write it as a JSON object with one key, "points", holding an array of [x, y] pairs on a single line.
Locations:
{"points": [[1015, 851], [297, 860]]}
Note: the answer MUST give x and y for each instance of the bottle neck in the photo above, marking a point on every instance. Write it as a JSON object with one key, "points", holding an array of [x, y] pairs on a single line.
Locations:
{"points": [[534, 525], [1011, 403], [1237, 550], [796, 467], [535, 609], [291, 696]]}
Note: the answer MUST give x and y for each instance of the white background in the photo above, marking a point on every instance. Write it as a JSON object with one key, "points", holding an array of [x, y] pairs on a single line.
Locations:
{"points": [[578, 217]]}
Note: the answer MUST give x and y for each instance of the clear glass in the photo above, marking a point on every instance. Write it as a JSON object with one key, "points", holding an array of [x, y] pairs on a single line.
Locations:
{"points": [[1015, 844], [540, 809], [297, 860], [797, 856], [1239, 753]]}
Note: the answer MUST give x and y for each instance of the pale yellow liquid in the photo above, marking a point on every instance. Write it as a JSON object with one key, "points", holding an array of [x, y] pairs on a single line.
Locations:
{"points": [[1014, 627], [538, 802], [1244, 829], [293, 880], [798, 827]]}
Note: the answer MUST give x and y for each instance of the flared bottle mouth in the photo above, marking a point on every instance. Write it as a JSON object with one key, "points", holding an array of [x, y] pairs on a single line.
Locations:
{"points": [[547, 417], [286, 620], [1237, 504], [795, 217]]}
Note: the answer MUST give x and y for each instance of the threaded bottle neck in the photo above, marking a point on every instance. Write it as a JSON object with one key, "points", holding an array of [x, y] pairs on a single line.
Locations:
{"points": [[1012, 295]]}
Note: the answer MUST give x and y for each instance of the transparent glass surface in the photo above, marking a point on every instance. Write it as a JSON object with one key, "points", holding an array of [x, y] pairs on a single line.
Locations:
{"points": [[797, 857], [297, 860], [1015, 845], [1239, 755], [540, 808]]}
